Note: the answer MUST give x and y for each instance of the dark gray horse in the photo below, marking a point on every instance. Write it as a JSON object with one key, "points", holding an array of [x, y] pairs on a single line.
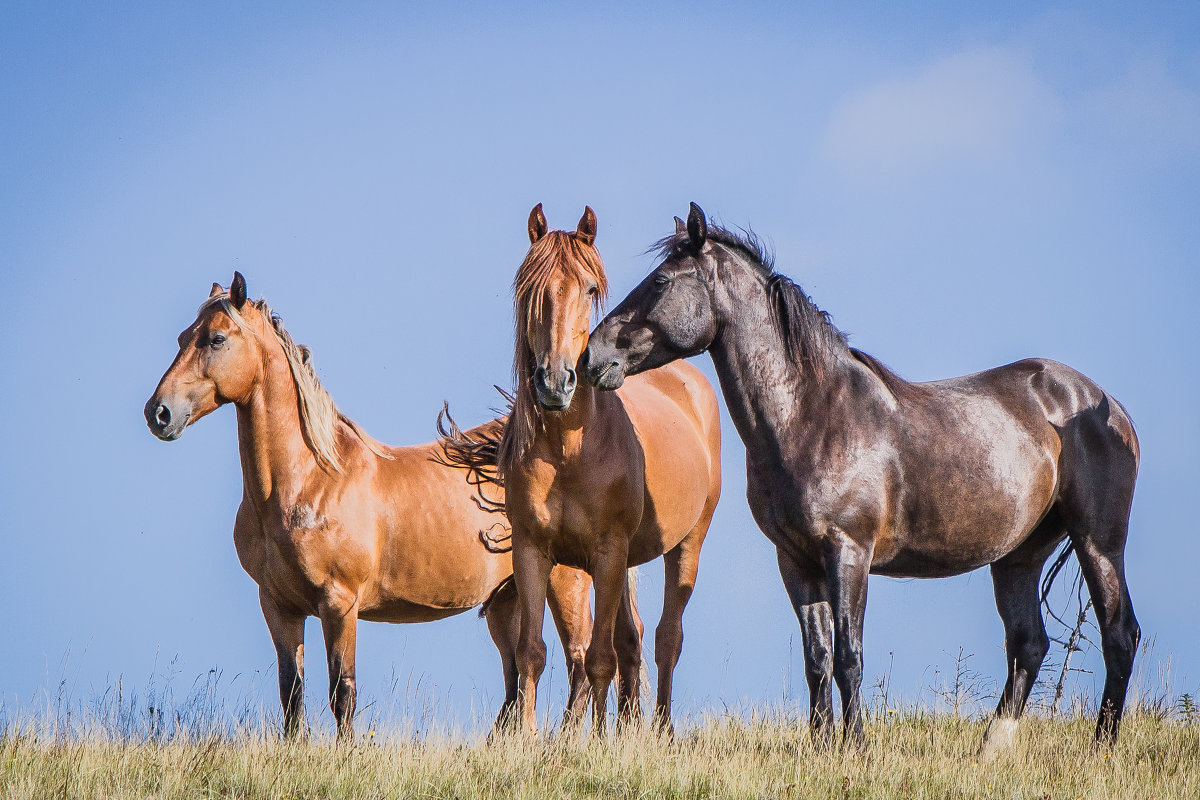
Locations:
{"points": [[851, 469]]}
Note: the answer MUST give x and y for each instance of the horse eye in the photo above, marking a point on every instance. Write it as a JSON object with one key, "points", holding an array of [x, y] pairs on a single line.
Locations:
{"points": [[661, 280], [592, 291], [216, 341]]}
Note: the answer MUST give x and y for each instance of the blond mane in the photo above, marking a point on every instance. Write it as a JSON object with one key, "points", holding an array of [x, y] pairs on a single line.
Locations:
{"points": [[319, 415], [555, 253]]}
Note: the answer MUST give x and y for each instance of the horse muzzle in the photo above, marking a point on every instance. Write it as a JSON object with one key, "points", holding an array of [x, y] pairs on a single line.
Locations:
{"points": [[603, 372], [164, 422], [554, 388]]}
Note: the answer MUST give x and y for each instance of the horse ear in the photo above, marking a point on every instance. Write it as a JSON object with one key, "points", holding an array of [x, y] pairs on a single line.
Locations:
{"points": [[697, 227], [537, 224], [586, 230], [216, 290], [680, 226], [237, 291]]}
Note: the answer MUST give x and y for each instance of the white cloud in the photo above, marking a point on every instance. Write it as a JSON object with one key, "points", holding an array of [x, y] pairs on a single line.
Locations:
{"points": [[973, 107]]}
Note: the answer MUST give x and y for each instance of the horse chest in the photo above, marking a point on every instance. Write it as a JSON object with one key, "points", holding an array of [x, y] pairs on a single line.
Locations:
{"points": [[799, 504], [298, 553], [779, 510], [567, 520], [276, 570], [557, 524]]}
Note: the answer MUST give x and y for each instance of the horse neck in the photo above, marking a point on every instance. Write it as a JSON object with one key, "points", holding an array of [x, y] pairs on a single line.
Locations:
{"points": [[560, 434], [763, 387], [275, 458]]}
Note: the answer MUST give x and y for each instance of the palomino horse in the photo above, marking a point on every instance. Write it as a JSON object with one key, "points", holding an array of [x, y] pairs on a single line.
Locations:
{"points": [[593, 479], [335, 525], [853, 470]]}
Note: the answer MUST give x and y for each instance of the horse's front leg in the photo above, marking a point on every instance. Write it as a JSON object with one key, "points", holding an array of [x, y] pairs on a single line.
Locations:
{"points": [[339, 623], [531, 569], [847, 565], [287, 633], [609, 581], [504, 624], [806, 588]]}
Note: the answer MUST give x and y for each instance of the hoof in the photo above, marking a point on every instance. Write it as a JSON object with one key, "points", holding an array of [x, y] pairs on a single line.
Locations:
{"points": [[1001, 735]]}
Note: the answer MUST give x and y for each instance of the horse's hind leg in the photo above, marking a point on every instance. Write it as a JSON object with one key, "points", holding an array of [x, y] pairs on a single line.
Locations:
{"points": [[1097, 502], [681, 565], [569, 597], [627, 640], [1119, 631], [504, 624], [1015, 582], [287, 633]]}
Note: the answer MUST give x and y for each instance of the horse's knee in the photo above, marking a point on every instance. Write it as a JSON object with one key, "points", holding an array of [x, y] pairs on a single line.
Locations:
{"points": [[1120, 649], [600, 664], [342, 702], [818, 658], [531, 658], [847, 666], [1038, 647], [1028, 649], [576, 654], [342, 692], [629, 646], [668, 644]]}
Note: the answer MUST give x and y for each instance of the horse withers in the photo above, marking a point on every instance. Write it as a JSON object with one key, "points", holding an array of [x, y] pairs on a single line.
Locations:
{"points": [[852, 470], [335, 525]]}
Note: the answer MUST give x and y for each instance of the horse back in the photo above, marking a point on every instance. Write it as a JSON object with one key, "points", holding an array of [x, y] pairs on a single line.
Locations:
{"points": [[1039, 391]]}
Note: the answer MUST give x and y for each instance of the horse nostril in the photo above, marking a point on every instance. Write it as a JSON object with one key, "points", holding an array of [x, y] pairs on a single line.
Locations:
{"points": [[569, 383], [539, 376], [162, 416]]}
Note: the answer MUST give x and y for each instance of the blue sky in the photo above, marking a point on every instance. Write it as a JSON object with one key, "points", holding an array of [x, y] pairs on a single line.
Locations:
{"points": [[959, 187]]}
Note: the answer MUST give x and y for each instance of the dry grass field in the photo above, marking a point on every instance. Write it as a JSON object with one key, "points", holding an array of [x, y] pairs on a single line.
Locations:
{"points": [[219, 739], [909, 755]]}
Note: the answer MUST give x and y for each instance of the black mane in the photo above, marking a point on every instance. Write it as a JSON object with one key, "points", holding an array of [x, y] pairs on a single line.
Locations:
{"points": [[747, 241], [809, 335]]}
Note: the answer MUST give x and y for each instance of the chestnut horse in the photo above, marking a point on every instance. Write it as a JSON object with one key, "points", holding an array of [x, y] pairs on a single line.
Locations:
{"points": [[334, 524], [597, 480], [853, 470]]}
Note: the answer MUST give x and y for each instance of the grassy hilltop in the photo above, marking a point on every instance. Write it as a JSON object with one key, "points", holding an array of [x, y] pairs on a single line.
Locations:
{"points": [[909, 755]]}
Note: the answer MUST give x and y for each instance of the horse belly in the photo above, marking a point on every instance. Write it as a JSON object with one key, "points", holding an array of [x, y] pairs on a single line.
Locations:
{"points": [[973, 510], [397, 610], [435, 565]]}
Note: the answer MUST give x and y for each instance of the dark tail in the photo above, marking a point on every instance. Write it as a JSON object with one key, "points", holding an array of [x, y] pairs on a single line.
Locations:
{"points": [[1055, 568], [474, 451], [497, 541], [508, 582]]}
